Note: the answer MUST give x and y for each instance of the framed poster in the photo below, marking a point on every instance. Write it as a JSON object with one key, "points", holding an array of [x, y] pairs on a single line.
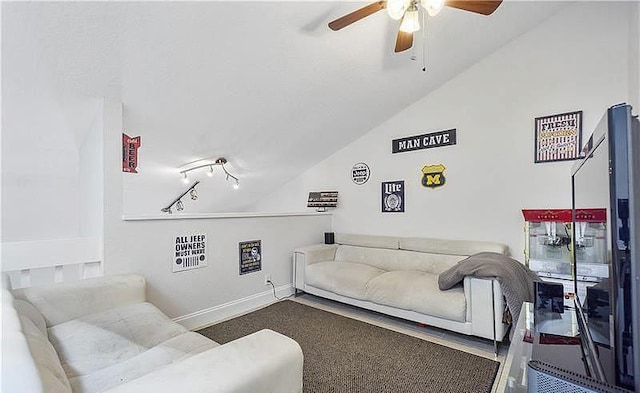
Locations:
{"points": [[189, 252], [393, 196], [250, 256], [558, 137]]}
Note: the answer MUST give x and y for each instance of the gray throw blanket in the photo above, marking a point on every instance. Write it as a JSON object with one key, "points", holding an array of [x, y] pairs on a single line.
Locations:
{"points": [[516, 280]]}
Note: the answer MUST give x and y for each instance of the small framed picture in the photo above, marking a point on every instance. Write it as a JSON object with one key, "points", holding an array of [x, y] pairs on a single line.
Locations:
{"points": [[558, 137]]}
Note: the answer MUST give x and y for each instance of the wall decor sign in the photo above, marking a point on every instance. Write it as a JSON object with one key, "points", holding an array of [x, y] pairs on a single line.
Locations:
{"points": [[393, 196], [558, 137], [250, 256], [130, 148], [190, 252], [322, 199], [360, 173], [425, 141], [433, 176]]}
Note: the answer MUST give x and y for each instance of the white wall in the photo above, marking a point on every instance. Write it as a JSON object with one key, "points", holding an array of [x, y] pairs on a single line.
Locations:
{"points": [[39, 170], [43, 129], [91, 178], [145, 247], [576, 60]]}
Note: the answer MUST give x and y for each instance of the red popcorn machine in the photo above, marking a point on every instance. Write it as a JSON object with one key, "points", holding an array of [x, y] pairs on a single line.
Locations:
{"points": [[549, 243]]}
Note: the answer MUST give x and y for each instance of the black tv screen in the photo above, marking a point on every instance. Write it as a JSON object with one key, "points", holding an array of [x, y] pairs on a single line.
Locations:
{"points": [[608, 177]]}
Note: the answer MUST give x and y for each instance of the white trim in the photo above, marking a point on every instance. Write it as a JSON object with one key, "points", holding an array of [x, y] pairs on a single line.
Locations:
{"points": [[176, 216], [49, 253], [209, 316]]}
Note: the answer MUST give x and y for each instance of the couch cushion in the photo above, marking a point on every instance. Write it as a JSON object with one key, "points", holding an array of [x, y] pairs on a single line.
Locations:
{"points": [[27, 310], [100, 340], [391, 260], [344, 278], [451, 247], [367, 241], [51, 372], [29, 362], [417, 291], [170, 351]]}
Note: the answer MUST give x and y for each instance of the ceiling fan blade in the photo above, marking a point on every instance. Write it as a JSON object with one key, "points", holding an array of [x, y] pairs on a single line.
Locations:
{"points": [[484, 7], [356, 15], [404, 41]]}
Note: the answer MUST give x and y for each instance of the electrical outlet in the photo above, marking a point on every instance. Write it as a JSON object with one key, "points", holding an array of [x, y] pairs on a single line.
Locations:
{"points": [[267, 278]]}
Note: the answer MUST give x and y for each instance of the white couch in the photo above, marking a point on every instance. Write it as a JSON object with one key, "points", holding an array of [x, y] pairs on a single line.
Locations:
{"points": [[399, 277], [100, 335]]}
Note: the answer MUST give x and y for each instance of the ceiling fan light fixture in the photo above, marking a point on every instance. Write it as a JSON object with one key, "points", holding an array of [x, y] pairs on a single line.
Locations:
{"points": [[396, 8], [433, 7], [411, 21]]}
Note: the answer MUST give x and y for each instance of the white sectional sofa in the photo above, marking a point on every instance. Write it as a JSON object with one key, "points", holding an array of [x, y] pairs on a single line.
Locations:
{"points": [[100, 335], [399, 277]]}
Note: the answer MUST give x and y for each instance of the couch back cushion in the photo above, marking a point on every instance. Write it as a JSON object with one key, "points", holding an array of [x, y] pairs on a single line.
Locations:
{"points": [[391, 260], [66, 301], [29, 362], [387, 242], [450, 247]]}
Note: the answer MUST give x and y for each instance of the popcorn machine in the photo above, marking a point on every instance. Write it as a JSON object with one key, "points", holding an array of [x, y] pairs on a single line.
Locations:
{"points": [[549, 246]]}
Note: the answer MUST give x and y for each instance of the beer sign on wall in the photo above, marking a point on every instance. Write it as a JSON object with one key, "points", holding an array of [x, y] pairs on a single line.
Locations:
{"points": [[130, 148], [393, 196]]}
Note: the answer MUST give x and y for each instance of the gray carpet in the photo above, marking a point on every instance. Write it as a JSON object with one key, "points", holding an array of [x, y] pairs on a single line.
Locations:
{"points": [[343, 355]]}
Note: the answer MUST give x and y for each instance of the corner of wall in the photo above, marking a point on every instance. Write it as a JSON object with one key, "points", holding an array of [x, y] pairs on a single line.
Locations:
{"points": [[634, 56]]}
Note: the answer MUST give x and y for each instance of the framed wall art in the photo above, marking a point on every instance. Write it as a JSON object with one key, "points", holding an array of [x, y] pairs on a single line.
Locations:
{"points": [[558, 137]]}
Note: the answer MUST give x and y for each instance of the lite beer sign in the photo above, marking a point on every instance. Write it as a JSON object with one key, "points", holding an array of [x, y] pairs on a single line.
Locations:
{"points": [[425, 141], [393, 196], [130, 148]]}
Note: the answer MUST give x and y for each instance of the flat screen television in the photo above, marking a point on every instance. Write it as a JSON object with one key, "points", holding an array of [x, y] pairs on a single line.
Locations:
{"points": [[609, 309]]}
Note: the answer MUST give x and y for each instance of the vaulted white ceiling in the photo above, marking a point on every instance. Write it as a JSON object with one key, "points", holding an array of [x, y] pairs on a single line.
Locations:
{"points": [[265, 84]]}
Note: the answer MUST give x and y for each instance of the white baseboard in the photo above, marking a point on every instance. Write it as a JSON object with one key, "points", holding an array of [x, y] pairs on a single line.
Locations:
{"points": [[209, 316]]}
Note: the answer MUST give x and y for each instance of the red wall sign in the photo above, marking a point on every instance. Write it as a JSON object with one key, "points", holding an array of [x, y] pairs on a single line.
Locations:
{"points": [[130, 153]]}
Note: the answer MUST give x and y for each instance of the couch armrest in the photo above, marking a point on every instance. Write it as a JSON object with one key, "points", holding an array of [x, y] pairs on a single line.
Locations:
{"points": [[317, 253], [65, 301], [310, 255], [484, 308], [262, 362]]}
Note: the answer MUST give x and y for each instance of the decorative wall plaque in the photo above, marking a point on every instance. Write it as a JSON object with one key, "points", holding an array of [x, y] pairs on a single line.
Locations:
{"points": [[425, 141]]}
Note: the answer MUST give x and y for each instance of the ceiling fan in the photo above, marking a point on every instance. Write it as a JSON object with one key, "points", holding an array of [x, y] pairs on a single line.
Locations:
{"points": [[408, 12]]}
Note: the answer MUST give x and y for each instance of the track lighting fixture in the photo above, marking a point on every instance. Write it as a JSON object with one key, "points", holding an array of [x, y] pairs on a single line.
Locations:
{"points": [[178, 201], [221, 161]]}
